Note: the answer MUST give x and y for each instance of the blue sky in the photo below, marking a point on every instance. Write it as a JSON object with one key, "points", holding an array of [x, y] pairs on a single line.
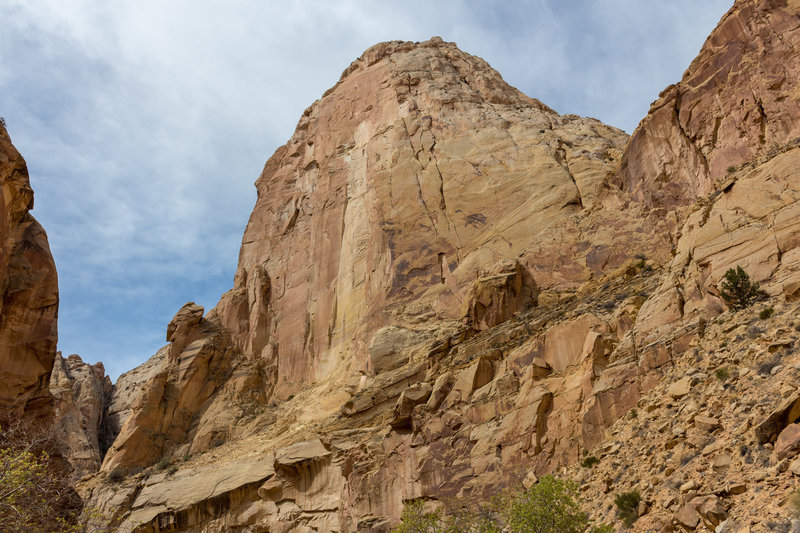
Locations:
{"points": [[145, 124]]}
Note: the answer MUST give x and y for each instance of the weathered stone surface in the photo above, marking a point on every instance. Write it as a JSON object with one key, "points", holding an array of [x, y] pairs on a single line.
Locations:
{"points": [[376, 206], [733, 104], [387, 349], [680, 388], [495, 296], [81, 394], [706, 423], [125, 394], [28, 291], [788, 443], [199, 363], [410, 398], [186, 317]]}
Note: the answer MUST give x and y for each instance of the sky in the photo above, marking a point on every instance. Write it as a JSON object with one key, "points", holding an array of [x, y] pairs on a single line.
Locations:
{"points": [[145, 124]]}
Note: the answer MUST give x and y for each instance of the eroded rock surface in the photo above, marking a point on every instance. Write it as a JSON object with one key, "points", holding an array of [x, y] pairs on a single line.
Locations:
{"points": [[735, 103], [81, 394], [29, 290]]}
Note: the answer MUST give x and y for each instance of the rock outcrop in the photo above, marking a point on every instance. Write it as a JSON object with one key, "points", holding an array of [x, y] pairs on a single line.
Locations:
{"points": [[81, 396], [29, 291], [735, 103]]}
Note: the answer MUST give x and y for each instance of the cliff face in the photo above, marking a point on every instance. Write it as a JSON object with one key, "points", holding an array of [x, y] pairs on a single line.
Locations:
{"points": [[29, 289], [445, 288], [736, 102], [418, 170], [403, 203]]}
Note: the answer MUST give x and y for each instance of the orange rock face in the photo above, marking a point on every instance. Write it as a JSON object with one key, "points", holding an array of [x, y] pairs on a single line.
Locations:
{"points": [[416, 171], [29, 288], [735, 102]]}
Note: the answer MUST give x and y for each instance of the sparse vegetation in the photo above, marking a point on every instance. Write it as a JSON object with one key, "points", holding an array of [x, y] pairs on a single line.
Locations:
{"points": [[164, 463], [766, 313], [737, 291], [628, 506], [589, 461], [722, 373], [633, 413], [731, 169], [550, 506], [35, 493], [116, 475]]}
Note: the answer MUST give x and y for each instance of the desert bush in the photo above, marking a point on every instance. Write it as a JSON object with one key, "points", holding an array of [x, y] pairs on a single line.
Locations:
{"points": [[766, 313], [793, 503], [415, 519], [589, 461], [35, 492], [737, 291], [116, 475], [628, 506], [722, 373], [163, 463], [550, 506]]}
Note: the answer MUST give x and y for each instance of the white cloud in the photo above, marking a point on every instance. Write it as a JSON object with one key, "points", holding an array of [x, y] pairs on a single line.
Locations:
{"points": [[145, 123]]}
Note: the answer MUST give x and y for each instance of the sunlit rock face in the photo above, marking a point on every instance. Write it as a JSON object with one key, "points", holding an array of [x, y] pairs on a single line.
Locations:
{"points": [[414, 173], [29, 289]]}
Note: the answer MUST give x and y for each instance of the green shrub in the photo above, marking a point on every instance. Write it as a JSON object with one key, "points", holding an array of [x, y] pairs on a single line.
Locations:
{"points": [[163, 463], [794, 503], [628, 506], [737, 291], [416, 520], [550, 506], [766, 313], [722, 373], [116, 475], [589, 461]]}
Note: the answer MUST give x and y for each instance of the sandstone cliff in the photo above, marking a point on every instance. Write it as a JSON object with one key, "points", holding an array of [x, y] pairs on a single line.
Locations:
{"points": [[445, 288], [81, 395], [29, 289]]}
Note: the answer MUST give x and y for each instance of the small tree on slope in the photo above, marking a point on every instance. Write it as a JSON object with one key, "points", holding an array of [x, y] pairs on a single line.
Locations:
{"points": [[738, 291]]}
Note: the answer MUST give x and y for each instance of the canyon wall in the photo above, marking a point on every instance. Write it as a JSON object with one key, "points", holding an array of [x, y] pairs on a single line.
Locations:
{"points": [[29, 289], [446, 289]]}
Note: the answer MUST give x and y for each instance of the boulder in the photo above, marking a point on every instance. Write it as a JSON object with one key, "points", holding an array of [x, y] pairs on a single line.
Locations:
{"points": [[788, 443]]}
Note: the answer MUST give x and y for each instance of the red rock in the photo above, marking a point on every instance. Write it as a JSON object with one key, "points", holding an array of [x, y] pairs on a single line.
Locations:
{"points": [[29, 290], [788, 443]]}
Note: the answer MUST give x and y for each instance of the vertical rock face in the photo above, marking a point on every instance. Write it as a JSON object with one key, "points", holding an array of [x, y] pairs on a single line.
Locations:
{"points": [[418, 169], [29, 291], [81, 395], [727, 136], [737, 101]]}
